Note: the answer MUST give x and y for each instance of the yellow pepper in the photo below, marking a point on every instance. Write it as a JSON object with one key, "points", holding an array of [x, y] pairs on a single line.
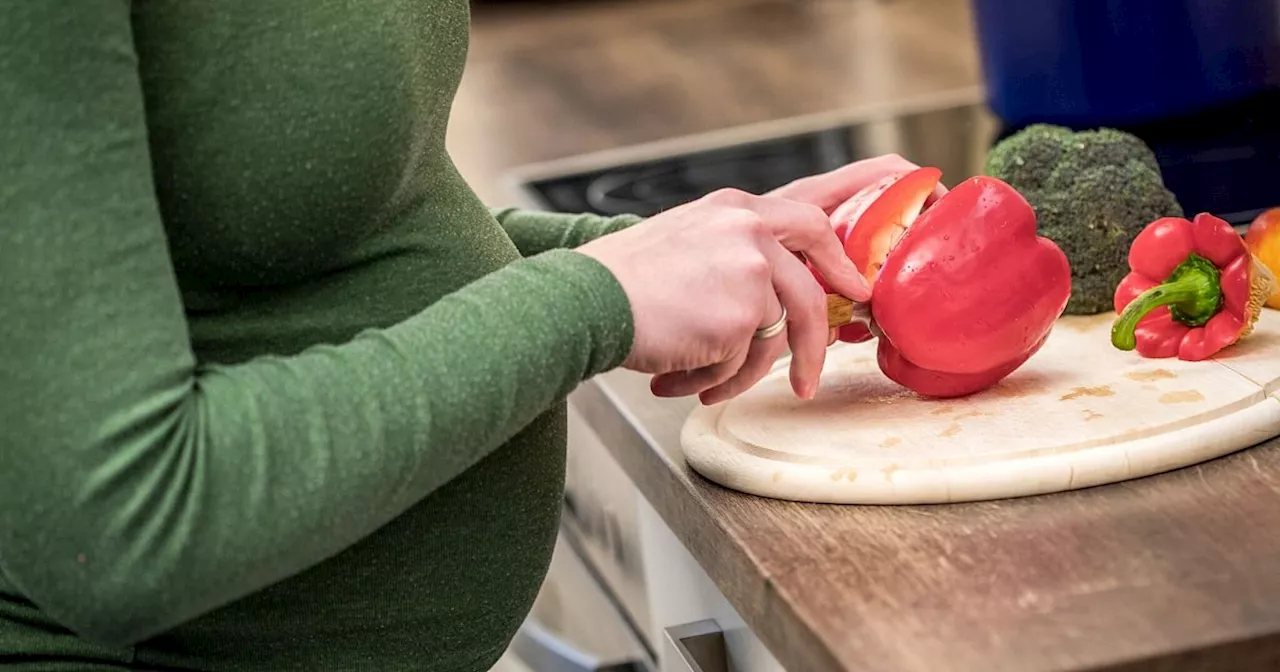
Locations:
{"points": [[1263, 241]]}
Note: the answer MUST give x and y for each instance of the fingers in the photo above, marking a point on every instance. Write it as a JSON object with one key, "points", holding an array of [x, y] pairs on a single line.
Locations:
{"points": [[685, 383], [761, 354], [828, 190], [806, 229], [759, 360], [807, 329], [807, 333], [771, 241], [726, 377]]}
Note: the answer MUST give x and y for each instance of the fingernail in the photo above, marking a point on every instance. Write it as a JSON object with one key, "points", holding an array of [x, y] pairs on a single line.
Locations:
{"points": [[866, 290]]}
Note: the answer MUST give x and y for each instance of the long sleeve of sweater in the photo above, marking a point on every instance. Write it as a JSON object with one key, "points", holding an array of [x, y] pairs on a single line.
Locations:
{"points": [[138, 489], [535, 232]]}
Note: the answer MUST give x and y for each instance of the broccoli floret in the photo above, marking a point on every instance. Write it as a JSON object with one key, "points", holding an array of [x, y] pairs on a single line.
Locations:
{"points": [[1025, 158], [1093, 192]]}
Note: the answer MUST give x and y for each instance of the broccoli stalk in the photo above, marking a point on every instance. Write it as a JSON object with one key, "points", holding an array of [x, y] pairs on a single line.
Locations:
{"points": [[1093, 192]]}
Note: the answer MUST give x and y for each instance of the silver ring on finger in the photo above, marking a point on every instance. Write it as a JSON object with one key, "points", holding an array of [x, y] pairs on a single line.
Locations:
{"points": [[764, 333]]}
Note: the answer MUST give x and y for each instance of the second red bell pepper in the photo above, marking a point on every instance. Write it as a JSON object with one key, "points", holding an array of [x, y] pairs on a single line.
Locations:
{"points": [[964, 292], [1193, 289]]}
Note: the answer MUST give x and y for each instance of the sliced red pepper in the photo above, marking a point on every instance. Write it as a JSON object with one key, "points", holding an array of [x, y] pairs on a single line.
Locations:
{"points": [[886, 219], [872, 221], [844, 217], [964, 292], [1193, 290]]}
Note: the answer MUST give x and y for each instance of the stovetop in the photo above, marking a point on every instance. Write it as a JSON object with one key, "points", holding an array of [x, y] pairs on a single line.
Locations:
{"points": [[1226, 162]]}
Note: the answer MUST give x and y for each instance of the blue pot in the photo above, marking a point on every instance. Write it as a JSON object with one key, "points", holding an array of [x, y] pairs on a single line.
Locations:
{"points": [[1092, 63]]}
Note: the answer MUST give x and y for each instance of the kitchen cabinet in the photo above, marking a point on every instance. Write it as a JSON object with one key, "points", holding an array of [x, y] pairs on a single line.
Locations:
{"points": [[623, 593], [685, 602]]}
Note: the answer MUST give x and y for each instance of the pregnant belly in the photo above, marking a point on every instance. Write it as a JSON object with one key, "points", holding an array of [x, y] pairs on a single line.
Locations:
{"points": [[443, 587]]}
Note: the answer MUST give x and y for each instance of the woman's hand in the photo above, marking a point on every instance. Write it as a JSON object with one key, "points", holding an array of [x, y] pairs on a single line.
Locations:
{"points": [[703, 277], [831, 189]]}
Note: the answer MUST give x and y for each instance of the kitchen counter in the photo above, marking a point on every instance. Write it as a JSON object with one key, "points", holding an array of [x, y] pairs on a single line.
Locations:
{"points": [[1173, 572], [1176, 572]]}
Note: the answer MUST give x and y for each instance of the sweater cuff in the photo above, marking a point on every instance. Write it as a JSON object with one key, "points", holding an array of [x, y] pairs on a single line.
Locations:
{"points": [[604, 316], [617, 223]]}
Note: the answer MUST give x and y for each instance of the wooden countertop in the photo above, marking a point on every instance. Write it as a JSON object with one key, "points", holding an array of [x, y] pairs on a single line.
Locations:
{"points": [[1175, 572]]}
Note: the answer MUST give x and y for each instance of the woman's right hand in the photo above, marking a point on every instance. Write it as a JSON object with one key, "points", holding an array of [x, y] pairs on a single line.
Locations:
{"points": [[704, 276]]}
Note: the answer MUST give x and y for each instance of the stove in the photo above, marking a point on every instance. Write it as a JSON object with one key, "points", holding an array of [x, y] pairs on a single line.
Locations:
{"points": [[1226, 161]]}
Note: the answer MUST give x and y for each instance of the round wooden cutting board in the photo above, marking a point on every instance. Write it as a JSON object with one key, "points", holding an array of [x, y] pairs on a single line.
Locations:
{"points": [[1080, 413]]}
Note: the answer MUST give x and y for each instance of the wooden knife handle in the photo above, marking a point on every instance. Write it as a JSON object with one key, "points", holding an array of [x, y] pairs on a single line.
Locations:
{"points": [[842, 311]]}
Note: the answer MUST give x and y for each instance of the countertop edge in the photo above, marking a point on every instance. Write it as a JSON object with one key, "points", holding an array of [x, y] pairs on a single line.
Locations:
{"points": [[796, 643]]}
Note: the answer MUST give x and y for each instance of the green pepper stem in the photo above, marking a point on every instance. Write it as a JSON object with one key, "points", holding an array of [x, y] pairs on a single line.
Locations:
{"points": [[1193, 293]]}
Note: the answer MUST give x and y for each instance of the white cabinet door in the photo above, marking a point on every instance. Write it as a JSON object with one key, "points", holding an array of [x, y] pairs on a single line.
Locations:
{"points": [[684, 602]]}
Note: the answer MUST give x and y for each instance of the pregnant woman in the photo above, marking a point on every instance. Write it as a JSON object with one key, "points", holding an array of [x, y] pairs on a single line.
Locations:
{"points": [[277, 392]]}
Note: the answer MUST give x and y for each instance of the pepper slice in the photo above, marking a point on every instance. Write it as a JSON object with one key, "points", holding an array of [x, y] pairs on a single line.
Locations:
{"points": [[886, 218], [873, 220], [1193, 290]]}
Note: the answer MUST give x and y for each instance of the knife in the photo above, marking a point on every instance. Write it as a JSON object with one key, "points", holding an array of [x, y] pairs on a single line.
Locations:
{"points": [[843, 311]]}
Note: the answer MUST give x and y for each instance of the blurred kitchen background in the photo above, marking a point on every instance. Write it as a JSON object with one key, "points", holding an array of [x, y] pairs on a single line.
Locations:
{"points": [[636, 105]]}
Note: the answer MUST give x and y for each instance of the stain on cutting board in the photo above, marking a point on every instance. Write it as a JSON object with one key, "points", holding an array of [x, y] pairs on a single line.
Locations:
{"points": [[850, 474], [1150, 376], [1181, 397], [1078, 392], [955, 427], [1021, 384]]}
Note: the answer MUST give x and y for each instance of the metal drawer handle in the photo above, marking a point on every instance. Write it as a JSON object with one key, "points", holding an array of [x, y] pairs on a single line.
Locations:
{"points": [[699, 646]]}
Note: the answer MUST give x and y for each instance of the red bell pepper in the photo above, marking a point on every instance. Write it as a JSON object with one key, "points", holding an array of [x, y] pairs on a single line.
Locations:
{"points": [[964, 292], [1193, 289], [884, 210]]}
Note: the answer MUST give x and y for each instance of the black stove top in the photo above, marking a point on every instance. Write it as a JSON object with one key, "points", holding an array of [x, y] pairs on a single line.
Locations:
{"points": [[1226, 162]]}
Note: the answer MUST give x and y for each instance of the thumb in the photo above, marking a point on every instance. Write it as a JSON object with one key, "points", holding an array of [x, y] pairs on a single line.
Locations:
{"points": [[841, 276], [830, 189], [850, 284]]}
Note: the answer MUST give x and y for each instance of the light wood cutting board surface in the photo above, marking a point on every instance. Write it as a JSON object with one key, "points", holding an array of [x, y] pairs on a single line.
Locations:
{"points": [[1078, 414]]}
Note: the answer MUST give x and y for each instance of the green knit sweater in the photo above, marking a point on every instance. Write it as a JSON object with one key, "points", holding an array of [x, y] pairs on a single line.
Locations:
{"points": [[277, 391]]}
